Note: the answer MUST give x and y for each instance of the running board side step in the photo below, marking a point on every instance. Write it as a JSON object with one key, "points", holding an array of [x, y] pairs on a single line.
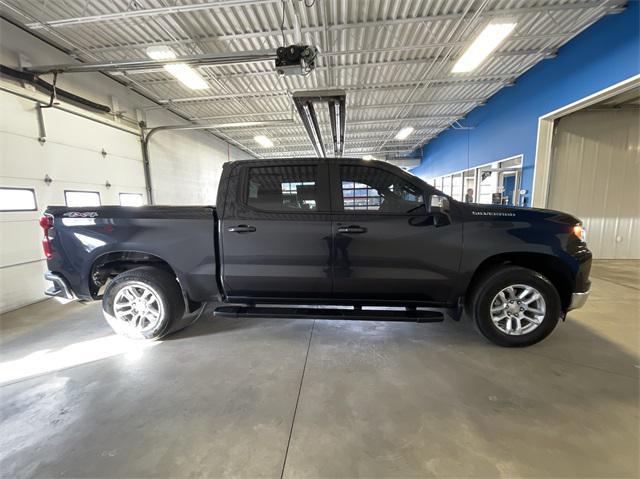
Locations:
{"points": [[419, 316]]}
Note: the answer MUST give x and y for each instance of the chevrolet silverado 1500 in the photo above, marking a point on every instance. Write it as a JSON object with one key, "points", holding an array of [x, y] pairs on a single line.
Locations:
{"points": [[328, 238]]}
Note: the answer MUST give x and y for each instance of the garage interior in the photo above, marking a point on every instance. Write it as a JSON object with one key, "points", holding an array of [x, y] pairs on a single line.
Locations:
{"points": [[550, 119]]}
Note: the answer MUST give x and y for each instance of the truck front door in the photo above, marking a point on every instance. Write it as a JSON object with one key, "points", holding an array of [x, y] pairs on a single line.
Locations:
{"points": [[387, 246], [276, 232]]}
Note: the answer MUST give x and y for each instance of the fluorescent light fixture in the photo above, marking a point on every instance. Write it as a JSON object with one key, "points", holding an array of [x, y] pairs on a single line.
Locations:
{"points": [[187, 75], [368, 157], [183, 72], [161, 52], [337, 120], [484, 44], [404, 133], [263, 141], [309, 120]]}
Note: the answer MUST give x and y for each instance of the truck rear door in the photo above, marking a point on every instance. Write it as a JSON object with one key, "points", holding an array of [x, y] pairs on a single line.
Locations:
{"points": [[276, 232]]}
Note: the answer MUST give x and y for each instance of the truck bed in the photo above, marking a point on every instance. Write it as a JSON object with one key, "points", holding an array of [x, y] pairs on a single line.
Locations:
{"points": [[184, 238]]}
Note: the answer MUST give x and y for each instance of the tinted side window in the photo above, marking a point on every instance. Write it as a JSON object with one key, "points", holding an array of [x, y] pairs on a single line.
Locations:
{"points": [[283, 188], [373, 189]]}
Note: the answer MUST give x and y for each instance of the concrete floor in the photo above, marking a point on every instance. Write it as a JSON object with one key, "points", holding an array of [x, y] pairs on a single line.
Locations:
{"points": [[298, 398]]}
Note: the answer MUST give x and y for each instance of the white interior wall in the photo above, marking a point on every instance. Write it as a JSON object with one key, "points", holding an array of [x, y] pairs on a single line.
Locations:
{"points": [[185, 166], [595, 169]]}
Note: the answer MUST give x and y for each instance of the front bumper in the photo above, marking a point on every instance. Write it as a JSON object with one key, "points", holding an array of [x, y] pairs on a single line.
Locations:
{"points": [[60, 289], [578, 300]]}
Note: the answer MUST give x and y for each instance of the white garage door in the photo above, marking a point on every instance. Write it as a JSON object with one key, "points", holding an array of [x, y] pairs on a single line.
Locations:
{"points": [[72, 157], [595, 175]]}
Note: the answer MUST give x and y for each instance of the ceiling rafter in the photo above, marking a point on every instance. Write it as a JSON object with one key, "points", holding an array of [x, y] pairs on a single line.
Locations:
{"points": [[352, 141], [349, 137], [185, 8], [507, 78], [444, 101], [241, 75], [426, 118], [371, 64], [145, 12], [214, 38]]}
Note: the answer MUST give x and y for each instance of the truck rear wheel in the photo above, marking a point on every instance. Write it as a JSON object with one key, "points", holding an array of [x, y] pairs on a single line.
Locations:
{"points": [[514, 306], [143, 303]]}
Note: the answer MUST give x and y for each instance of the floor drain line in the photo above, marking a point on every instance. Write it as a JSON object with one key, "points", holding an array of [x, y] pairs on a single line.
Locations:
{"points": [[295, 410]]}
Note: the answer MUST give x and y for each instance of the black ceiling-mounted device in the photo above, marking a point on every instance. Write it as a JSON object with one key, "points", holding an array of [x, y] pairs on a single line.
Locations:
{"points": [[296, 59]]}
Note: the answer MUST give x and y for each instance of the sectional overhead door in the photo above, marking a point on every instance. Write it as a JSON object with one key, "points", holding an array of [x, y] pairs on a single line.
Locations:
{"points": [[595, 175], [85, 161]]}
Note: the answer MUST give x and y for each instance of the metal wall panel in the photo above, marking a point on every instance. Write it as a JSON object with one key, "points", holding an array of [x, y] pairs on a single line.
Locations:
{"points": [[595, 173]]}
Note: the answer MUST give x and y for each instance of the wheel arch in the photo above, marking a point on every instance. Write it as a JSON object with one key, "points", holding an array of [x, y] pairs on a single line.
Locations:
{"points": [[552, 267], [108, 265]]}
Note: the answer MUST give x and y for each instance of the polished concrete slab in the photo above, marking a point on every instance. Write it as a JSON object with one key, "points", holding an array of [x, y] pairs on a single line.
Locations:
{"points": [[296, 398]]}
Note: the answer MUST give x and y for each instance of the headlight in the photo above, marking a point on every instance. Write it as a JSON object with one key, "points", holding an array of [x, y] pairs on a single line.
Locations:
{"points": [[580, 232]]}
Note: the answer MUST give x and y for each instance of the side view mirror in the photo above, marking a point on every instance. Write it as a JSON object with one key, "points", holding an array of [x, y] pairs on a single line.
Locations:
{"points": [[438, 204]]}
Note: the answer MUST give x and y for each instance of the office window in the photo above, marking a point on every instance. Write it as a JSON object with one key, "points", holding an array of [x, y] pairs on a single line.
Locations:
{"points": [[17, 199], [81, 198], [470, 186], [497, 183], [456, 187], [131, 199], [446, 185], [373, 189], [283, 188]]}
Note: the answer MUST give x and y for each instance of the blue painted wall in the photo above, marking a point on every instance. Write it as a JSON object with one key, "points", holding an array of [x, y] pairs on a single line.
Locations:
{"points": [[603, 55]]}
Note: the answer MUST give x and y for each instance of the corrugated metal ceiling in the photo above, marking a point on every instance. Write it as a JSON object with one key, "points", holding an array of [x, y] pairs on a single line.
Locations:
{"points": [[393, 57]]}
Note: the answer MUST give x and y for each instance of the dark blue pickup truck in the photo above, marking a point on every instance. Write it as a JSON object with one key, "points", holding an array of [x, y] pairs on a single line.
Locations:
{"points": [[328, 238]]}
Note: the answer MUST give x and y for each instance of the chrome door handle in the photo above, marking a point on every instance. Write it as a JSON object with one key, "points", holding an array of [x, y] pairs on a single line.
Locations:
{"points": [[241, 229], [353, 229]]}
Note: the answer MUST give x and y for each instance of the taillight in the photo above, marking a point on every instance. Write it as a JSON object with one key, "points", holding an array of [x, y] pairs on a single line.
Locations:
{"points": [[46, 223]]}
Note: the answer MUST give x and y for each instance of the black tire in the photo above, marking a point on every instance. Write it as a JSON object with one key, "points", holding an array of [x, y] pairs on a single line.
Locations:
{"points": [[491, 283], [168, 292]]}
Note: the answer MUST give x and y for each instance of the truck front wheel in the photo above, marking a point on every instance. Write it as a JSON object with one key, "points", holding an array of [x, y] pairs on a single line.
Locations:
{"points": [[514, 306], [143, 303]]}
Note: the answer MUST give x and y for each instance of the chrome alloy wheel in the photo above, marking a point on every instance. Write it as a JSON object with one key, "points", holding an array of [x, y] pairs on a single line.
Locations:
{"points": [[138, 306], [518, 309]]}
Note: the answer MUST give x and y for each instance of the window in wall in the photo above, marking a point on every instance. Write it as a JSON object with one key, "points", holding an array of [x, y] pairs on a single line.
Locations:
{"points": [[470, 186], [497, 182], [446, 184], [283, 188], [374, 189], [509, 183], [17, 199], [487, 183], [131, 199], [456, 187], [81, 198]]}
